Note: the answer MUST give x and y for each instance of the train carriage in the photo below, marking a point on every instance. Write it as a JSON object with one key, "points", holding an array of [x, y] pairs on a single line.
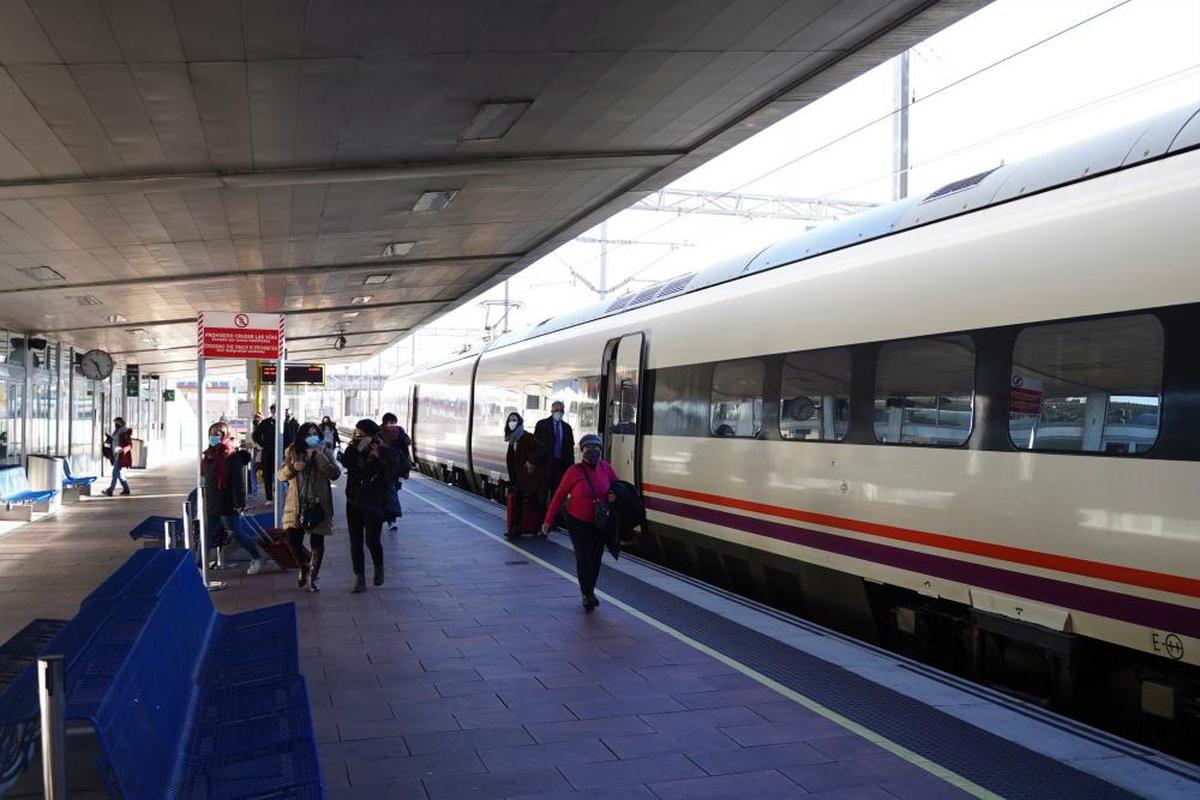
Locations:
{"points": [[972, 416]]}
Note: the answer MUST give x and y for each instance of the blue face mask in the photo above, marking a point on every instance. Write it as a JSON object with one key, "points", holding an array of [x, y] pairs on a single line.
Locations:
{"points": [[214, 440], [591, 455], [312, 441]]}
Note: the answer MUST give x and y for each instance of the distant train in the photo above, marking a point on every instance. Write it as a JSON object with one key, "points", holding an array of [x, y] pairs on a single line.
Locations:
{"points": [[966, 422]]}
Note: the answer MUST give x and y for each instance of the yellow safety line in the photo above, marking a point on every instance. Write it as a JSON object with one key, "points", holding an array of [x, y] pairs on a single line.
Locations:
{"points": [[932, 767]]}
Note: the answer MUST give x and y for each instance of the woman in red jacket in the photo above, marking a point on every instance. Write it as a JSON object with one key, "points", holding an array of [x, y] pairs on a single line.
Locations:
{"points": [[119, 445], [585, 483]]}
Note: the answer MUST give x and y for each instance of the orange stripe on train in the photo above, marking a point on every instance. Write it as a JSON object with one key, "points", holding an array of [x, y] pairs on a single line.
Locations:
{"points": [[1132, 576]]}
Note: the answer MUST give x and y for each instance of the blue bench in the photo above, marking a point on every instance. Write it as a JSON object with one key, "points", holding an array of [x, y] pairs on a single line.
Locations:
{"points": [[71, 481], [185, 702], [152, 527], [14, 487], [22, 647]]}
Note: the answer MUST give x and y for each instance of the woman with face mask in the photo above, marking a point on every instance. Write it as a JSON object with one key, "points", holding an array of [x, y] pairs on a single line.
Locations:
{"points": [[372, 469], [587, 485], [224, 469], [526, 476], [329, 435], [118, 448], [308, 468]]}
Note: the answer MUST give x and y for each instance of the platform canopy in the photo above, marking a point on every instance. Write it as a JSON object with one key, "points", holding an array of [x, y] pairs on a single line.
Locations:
{"points": [[158, 158]]}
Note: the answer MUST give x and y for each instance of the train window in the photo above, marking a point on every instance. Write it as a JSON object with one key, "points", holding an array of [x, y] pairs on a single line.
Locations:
{"points": [[737, 398], [815, 395], [681, 400], [924, 391], [1093, 386]]}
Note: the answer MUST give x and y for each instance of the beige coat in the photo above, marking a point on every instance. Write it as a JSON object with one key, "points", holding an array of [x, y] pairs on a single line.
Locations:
{"points": [[325, 471]]}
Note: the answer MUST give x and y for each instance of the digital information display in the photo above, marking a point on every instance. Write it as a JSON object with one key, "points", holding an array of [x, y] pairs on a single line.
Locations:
{"points": [[313, 374]]}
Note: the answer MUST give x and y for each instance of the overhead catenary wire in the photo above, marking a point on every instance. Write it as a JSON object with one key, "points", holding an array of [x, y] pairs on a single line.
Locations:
{"points": [[884, 118]]}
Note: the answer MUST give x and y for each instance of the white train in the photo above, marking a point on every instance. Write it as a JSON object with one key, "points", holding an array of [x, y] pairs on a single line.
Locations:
{"points": [[970, 418]]}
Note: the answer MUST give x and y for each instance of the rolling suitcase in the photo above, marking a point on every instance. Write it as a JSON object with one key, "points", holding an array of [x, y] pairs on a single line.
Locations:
{"points": [[530, 521], [273, 541]]}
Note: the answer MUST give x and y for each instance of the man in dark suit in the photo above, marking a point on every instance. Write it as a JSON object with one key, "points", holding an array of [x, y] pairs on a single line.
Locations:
{"points": [[558, 443]]}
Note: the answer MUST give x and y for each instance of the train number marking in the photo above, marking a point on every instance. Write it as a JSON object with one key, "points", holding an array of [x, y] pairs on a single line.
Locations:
{"points": [[1170, 645]]}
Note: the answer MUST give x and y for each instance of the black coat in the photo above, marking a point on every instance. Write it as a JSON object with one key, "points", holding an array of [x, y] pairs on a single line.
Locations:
{"points": [[371, 481], [544, 433], [291, 427], [264, 437], [225, 501]]}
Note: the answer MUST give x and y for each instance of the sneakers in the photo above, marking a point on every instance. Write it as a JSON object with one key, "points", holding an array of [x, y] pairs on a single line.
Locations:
{"points": [[360, 584], [255, 566], [379, 575], [314, 585]]}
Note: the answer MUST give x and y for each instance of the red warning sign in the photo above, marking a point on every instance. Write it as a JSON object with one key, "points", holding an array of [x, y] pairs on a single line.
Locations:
{"points": [[227, 334]]}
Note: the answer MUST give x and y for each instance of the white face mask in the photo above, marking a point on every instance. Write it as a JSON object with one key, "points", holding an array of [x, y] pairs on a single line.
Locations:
{"points": [[512, 424]]}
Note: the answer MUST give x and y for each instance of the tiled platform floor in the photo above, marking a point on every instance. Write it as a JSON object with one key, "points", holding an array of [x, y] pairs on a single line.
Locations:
{"points": [[474, 673]]}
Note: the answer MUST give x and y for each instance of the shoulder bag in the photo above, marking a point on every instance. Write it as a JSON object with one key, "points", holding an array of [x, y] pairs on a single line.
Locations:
{"points": [[602, 511]]}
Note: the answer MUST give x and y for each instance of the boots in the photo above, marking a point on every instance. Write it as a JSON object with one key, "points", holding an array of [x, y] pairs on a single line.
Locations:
{"points": [[360, 584], [379, 574]]}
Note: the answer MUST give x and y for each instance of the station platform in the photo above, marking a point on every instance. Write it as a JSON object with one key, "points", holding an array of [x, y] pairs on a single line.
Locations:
{"points": [[474, 672]]}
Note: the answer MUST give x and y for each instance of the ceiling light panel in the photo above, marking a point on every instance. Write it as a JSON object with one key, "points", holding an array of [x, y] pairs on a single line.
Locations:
{"points": [[493, 119], [398, 249], [360, 301], [116, 318], [43, 273], [375, 280], [349, 314], [88, 300], [434, 200]]}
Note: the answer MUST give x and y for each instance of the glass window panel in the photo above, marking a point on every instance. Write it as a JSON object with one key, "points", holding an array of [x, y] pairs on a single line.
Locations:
{"points": [[815, 395], [1092, 386], [924, 391], [737, 398]]}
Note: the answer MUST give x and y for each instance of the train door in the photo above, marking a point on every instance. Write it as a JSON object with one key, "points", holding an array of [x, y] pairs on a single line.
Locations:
{"points": [[623, 382]]}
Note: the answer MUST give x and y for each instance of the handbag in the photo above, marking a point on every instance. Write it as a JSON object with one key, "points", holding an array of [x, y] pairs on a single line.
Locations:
{"points": [[312, 513], [602, 511]]}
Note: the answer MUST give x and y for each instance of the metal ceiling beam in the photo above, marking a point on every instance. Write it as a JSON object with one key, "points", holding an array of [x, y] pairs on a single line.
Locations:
{"points": [[347, 334], [295, 312], [405, 171], [381, 265]]}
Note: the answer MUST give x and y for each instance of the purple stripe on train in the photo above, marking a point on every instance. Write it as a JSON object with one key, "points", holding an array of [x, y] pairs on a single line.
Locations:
{"points": [[1102, 602]]}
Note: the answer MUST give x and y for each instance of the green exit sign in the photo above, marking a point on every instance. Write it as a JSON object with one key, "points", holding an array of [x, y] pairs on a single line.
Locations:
{"points": [[168, 395]]}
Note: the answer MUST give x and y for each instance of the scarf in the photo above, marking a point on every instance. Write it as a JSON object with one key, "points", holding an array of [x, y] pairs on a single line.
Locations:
{"points": [[218, 461], [515, 435]]}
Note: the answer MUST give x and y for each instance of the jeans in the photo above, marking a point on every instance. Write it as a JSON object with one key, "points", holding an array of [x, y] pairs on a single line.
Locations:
{"points": [[252, 480], [116, 476], [588, 542], [363, 527], [243, 536]]}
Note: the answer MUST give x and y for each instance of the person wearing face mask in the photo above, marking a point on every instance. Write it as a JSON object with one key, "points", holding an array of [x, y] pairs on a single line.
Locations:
{"points": [[308, 469], [264, 437], [558, 445], [372, 470], [223, 467], [118, 447], [329, 435], [526, 476], [589, 513]]}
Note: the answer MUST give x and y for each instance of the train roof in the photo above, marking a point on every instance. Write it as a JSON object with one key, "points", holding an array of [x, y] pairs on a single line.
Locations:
{"points": [[1170, 132]]}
